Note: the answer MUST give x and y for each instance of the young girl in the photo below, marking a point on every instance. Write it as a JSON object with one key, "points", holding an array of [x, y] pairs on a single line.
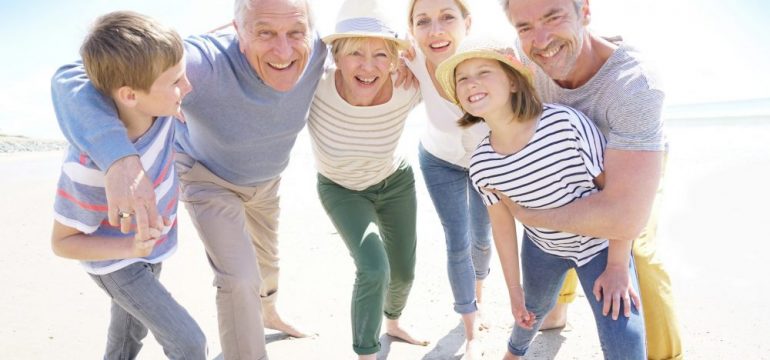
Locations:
{"points": [[539, 156]]}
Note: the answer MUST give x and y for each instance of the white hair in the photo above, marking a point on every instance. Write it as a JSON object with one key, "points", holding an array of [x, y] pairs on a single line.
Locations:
{"points": [[242, 7]]}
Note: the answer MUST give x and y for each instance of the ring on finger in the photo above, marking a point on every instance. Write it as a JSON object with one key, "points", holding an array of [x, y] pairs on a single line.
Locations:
{"points": [[123, 214]]}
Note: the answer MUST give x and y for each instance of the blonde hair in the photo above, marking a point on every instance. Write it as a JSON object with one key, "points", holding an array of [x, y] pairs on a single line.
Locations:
{"points": [[464, 11], [525, 102], [348, 45], [125, 48]]}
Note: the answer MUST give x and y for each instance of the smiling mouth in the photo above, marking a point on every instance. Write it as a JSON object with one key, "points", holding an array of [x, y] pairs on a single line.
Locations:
{"points": [[280, 66], [441, 45], [366, 81], [550, 51], [476, 97]]}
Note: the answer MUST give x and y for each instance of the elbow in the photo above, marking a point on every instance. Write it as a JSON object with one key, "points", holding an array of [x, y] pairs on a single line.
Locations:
{"points": [[627, 227], [57, 248]]}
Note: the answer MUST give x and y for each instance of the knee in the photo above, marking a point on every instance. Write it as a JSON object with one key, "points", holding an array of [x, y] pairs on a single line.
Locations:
{"points": [[193, 346], [482, 247], [373, 275], [540, 308], [238, 283], [458, 254], [402, 276]]}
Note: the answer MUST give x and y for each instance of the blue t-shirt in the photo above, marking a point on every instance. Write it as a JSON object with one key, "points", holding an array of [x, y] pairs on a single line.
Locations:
{"points": [[81, 202], [237, 126]]}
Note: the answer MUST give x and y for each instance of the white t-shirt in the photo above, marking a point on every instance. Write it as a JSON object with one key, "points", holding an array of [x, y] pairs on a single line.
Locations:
{"points": [[443, 138]]}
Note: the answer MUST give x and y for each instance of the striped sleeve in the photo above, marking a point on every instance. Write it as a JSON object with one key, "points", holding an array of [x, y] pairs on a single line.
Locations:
{"points": [[80, 201], [589, 141], [478, 170]]}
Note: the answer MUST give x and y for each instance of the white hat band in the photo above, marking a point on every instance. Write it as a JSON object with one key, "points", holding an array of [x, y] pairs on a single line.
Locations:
{"points": [[365, 25]]}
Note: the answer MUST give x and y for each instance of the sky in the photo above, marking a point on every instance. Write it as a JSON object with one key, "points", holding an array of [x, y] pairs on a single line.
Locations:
{"points": [[703, 50]]}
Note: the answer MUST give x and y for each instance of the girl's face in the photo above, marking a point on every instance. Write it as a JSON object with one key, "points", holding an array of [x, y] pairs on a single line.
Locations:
{"points": [[438, 28], [483, 88]]}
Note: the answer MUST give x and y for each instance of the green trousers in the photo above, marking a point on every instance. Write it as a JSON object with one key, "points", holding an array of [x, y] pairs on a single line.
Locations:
{"points": [[378, 225]]}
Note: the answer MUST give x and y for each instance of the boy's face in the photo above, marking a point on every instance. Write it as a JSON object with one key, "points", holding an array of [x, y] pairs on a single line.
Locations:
{"points": [[166, 93]]}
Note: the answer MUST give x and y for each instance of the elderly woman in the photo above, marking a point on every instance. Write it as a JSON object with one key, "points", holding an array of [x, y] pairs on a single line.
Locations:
{"points": [[437, 28], [355, 122]]}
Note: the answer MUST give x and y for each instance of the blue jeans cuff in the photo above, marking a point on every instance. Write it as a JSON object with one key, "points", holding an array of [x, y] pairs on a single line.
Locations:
{"points": [[466, 308]]}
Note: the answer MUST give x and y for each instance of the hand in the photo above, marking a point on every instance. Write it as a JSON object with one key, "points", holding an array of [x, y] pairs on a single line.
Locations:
{"points": [[614, 285], [141, 246], [524, 318], [130, 191], [404, 77], [514, 208], [410, 53]]}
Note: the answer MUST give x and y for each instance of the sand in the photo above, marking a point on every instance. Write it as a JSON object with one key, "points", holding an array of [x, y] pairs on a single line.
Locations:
{"points": [[712, 239]]}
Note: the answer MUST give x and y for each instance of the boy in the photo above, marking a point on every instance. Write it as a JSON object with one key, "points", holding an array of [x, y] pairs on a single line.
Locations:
{"points": [[139, 64]]}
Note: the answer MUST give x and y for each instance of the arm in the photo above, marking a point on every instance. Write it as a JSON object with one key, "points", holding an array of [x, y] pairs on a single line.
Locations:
{"points": [[87, 118], [506, 243], [619, 211], [70, 243], [90, 122]]}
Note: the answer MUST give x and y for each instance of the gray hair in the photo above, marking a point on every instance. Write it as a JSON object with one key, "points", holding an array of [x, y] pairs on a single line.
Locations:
{"points": [[242, 7], [578, 6]]}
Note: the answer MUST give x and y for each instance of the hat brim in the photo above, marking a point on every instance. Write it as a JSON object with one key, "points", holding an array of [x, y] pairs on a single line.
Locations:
{"points": [[403, 44], [445, 72]]}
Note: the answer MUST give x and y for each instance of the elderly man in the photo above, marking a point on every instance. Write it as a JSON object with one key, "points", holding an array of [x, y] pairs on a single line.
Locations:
{"points": [[252, 94], [609, 83]]}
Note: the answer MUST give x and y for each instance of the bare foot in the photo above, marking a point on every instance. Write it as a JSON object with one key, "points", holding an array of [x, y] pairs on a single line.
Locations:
{"points": [[273, 321], [395, 330], [473, 350], [557, 318], [481, 322]]}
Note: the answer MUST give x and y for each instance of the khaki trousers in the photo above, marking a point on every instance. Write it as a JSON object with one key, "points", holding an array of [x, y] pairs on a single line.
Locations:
{"points": [[238, 226]]}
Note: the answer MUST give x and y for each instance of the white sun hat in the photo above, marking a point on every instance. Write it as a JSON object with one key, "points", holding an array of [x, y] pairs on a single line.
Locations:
{"points": [[367, 18]]}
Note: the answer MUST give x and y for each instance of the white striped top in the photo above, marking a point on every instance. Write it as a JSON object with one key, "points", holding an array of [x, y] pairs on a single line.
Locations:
{"points": [[355, 146], [557, 166]]}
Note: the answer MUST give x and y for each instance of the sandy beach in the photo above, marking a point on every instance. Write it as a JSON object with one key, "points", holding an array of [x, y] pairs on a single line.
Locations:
{"points": [[711, 238]]}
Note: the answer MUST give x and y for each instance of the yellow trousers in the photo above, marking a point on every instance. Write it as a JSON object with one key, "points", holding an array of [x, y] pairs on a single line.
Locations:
{"points": [[663, 341]]}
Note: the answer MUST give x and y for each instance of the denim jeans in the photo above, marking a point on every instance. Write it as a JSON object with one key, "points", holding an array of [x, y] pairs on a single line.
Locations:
{"points": [[543, 275], [378, 225], [466, 227], [140, 302]]}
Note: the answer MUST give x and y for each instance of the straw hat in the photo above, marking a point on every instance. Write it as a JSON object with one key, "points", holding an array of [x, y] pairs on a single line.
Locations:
{"points": [[366, 18], [487, 46]]}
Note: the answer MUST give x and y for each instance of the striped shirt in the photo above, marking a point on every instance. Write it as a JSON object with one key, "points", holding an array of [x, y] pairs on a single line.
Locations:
{"points": [[557, 166], [81, 202], [355, 146]]}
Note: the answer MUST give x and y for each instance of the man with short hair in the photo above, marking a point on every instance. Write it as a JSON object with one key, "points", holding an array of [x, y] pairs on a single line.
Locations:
{"points": [[609, 83], [253, 91]]}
